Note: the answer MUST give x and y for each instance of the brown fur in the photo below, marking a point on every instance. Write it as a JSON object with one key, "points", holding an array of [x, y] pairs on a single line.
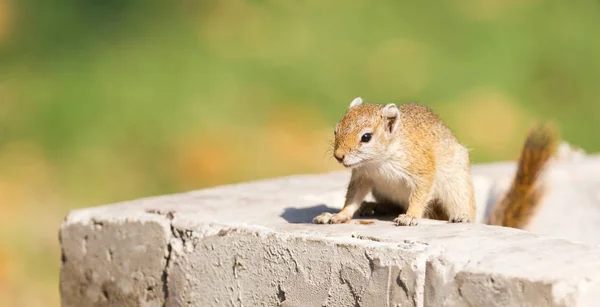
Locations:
{"points": [[415, 162], [421, 148], [521, 201]]}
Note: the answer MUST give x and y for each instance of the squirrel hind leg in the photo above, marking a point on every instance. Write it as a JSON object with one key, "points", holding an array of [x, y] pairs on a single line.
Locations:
{"points": [[462, 218], [460, 210], [457, 199], [435, 211]]}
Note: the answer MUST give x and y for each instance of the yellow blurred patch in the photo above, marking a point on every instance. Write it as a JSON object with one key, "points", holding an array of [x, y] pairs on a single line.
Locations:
{"points": [[11, 197], [6, 14], [4, 267], [25, 177], [486, 120], [28, 224], [296, 136], [398, 66], [292, 139], [205, 160], [235, 29]]}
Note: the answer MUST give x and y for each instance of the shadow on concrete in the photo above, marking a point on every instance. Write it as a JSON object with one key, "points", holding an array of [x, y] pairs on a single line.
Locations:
{"points": [[305, 215], [383, 212]]}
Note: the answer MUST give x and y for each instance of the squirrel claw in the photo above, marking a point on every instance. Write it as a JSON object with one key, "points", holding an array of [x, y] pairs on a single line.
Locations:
{"points": [[406, 220], [339, 219], [461, 218], [322, 218], [328, 218]]}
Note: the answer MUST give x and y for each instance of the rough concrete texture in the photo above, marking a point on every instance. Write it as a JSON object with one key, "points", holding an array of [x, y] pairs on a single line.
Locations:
{"points": [[114, 262], [252, 244], [571, 206]]}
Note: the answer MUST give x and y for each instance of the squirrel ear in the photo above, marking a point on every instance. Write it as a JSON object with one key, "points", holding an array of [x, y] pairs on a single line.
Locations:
{"points": [[357, 101], [390, 115]]}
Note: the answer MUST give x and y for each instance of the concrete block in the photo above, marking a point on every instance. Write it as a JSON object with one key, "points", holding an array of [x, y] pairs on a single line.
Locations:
{"points": [[252, 244], [114, 260]]}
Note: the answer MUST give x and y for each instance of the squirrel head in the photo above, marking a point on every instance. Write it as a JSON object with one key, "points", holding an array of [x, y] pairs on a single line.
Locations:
{"points": [[365, 133]]}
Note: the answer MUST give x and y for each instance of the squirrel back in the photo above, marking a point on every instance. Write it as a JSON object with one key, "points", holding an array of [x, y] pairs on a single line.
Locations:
{"points": [[518, 205]]}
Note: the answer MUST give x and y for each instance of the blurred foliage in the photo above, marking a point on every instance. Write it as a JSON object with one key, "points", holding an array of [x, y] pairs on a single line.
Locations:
{"points": [[108, 100]]}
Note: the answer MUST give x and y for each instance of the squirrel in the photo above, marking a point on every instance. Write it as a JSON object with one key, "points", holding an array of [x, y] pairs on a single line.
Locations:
{"points": [[406, 156]]}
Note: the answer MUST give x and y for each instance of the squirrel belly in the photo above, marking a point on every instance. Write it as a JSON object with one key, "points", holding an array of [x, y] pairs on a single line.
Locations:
{"points": [[405, 156]]}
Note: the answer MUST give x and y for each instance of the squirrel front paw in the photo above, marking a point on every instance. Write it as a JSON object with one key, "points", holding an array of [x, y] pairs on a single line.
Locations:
{"points": [[328, 218], [406, 220], [461, 218], [322, 218]]}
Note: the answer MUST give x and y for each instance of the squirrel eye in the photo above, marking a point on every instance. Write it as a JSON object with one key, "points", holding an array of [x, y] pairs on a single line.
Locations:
{"points": [[365, 138]]}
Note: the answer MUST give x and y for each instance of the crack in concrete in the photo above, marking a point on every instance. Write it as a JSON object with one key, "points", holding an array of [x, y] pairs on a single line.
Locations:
{"points": [[84, 244], [371, 263], [63, 257], [97, 224], [109, 254], [169, 214], [236, 266], [402, 284], [361, 237], [355, 296], [280, 294], [296, 266], [388, 286], [164, 277]]}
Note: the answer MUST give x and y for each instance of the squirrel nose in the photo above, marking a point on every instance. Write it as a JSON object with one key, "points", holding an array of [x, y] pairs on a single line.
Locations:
{"points": [[339, 157]]}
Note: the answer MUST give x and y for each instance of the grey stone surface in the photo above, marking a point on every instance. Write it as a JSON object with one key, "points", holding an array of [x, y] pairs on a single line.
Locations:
{"points": [[571, 207], [114, 261], [252, 244]]}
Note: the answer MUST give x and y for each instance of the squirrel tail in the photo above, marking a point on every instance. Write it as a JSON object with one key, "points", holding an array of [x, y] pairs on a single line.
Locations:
{"points": [[517, 206]]}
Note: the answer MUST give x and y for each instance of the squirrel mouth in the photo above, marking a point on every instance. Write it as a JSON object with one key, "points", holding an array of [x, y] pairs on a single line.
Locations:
{"points": [[352, 165]]}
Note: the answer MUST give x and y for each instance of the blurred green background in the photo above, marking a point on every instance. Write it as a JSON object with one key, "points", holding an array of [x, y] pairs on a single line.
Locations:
{"points": [[109, 100]]}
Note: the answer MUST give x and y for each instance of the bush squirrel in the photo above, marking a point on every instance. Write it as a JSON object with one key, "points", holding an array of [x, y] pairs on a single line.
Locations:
{"points": [[406, 156]]}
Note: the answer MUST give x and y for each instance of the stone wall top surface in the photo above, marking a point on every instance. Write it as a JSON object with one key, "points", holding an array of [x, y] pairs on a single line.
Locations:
{"points": [[451, 264]]}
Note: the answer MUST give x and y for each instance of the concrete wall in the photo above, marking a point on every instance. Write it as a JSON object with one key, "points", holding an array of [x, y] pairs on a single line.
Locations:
{"points": [[252, 244]]}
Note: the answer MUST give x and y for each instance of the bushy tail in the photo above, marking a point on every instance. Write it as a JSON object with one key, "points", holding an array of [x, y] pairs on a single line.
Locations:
{"points": [[522, 199]]}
